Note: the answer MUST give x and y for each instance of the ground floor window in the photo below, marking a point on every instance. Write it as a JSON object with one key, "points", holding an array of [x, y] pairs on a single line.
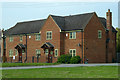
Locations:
{"points": [[51, 52], [23, 52], [16, 52], [56, 52], [72, 52], [37, 52], [46, 51], [10, 53]]}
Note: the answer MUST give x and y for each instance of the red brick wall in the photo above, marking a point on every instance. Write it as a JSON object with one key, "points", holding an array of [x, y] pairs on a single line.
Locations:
{"points": [[73, 43], [94, 48], [32, 44], [112, 46]]}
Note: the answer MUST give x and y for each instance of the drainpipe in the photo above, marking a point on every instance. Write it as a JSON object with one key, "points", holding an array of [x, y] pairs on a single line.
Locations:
{"points": [[3, 46], [82, 46], [26, 48]]}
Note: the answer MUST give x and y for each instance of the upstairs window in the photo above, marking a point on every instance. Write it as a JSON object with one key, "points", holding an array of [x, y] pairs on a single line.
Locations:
{"points": [[10, 53], [72, 52], [99, 34], [37, 36], [21, 38], [11, 38], [72, 35], [37, 52], [49, 35]]}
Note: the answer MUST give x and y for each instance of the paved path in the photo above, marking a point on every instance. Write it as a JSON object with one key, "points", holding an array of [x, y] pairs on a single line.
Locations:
{"points": [[61, 65]]}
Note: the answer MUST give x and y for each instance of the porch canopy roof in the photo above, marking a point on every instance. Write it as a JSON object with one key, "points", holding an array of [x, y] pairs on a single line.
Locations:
{"points": [[20, 46], [47, 45]]}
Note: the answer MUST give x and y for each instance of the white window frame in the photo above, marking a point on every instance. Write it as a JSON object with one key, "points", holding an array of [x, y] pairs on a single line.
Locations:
{"points": [[10, 53], [48, 37], [37, 52], [99, 34], [72, 35], [23, 52], [55, 52], [11, 38], [72, 52], [47, 51], [38, 37], [16, 52], [21, 38]]}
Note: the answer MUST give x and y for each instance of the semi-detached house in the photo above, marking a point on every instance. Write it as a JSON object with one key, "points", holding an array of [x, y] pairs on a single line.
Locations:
{"points": [[87, 35]]}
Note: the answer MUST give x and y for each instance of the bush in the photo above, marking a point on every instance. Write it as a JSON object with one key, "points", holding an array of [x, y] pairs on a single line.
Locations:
{"points": [[64, 58], [75, 60]]}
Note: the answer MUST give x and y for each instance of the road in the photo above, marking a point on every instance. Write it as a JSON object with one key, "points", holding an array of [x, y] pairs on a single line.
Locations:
{"points": [[61, 65]]}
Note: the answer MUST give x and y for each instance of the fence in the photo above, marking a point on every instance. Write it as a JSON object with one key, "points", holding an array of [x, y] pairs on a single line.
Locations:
{"points": [[32, 59]]}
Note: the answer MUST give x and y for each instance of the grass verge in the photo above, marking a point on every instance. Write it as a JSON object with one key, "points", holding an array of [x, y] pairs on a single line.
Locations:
{"points": [[64, 72], [26, 64]]}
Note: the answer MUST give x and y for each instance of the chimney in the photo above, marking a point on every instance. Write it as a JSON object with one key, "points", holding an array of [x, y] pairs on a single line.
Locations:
{"points": [[109, 19]]}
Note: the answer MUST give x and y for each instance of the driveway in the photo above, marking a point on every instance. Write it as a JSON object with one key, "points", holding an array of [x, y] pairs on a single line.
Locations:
{"points": [[61, 65]]}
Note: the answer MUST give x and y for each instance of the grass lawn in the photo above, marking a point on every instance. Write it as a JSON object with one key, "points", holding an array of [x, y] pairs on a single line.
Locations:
{"points": [[64, 72], [26, 64]]}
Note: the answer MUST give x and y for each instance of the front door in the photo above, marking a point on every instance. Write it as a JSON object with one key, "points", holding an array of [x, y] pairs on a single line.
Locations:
{"points": [[49, 57], [20, 55]]}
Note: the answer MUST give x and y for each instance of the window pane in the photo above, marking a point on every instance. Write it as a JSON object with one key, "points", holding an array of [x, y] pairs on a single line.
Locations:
{"points": [[73, 54], [37, 52], [73, 51], [99, 34], [37, 36], [56, 52], [10, 38], [20, 38], [46, 51], [51, 52], [49, 35], [10, 53], [74, 35], [16, 52], [70, 35]]}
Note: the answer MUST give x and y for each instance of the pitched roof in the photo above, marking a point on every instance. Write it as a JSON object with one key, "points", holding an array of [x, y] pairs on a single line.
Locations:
{"points": [[25, 27], [66, 23], [72, 22], [47, 44], [103, 21]]}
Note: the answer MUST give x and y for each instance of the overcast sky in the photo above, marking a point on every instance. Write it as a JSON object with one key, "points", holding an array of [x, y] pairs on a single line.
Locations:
{"points": [[13, 12]]}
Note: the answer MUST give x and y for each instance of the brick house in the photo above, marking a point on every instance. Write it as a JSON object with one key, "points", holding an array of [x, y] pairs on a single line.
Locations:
{"points": [[87, 35]]}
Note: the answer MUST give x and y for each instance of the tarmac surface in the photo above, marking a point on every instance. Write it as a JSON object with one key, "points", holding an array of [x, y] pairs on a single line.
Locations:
{"points": [[60, 65]]}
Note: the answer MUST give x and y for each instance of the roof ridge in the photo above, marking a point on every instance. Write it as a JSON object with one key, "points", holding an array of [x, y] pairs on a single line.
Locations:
{"points": [[80, 14], [31, 21], [73, 15], [57, 16]]}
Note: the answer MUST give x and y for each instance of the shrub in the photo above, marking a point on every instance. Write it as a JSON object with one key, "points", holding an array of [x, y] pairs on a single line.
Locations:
{"points": [[75, 60], [64, 58]]}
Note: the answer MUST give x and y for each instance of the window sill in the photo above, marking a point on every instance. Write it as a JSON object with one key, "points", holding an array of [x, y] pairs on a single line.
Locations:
{"points": [[72, 38]]}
